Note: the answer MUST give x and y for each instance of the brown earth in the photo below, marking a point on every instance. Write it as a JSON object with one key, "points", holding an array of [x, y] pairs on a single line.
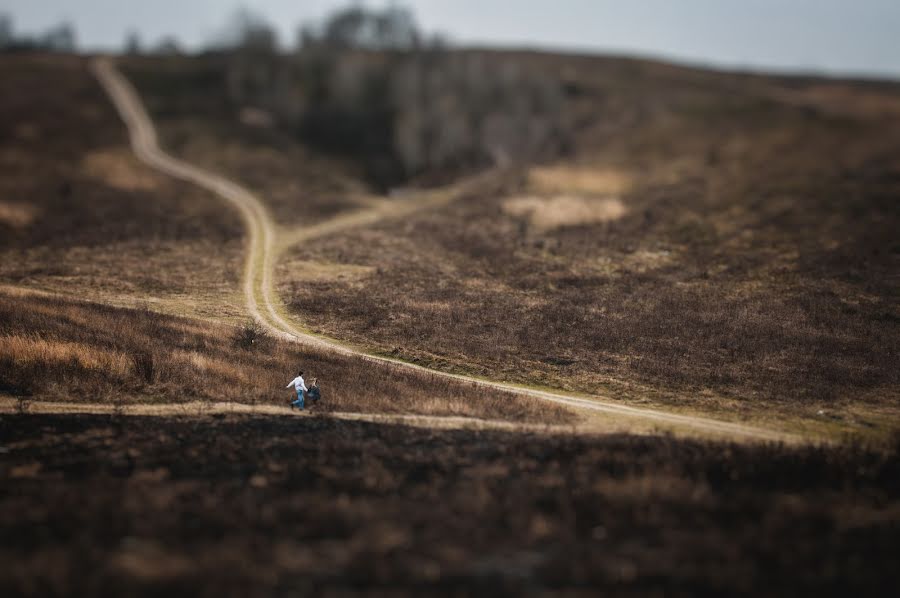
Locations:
{"points": [[247, 506]]}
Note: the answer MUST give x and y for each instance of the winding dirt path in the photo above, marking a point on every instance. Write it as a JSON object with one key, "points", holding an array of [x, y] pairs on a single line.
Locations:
{"points": [[262, 252]]}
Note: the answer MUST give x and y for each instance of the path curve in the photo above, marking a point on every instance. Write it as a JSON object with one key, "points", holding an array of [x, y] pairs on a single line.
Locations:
{"points": [[258, 267]]}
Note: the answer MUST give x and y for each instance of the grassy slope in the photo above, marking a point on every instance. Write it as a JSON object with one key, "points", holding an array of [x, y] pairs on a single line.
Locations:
{"points": [[97, 224], [751, 273], [94, 504], [754, 269]]}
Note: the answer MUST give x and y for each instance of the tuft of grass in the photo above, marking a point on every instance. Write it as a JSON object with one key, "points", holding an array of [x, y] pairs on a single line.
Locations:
{"points": [[144, 366]]}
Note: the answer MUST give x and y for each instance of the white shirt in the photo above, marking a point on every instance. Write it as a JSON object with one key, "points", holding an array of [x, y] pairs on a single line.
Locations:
{"points": [[298, 384]]}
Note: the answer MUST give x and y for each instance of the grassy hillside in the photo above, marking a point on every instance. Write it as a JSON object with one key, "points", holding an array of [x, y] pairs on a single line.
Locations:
{"points": [[81, 217], [705, 239], [79, 214], [710, 241]]}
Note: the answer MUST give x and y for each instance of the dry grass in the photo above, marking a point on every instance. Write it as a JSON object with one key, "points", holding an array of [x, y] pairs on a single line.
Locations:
{"points": [[120, 169], [66, 350], [24, 352], [194, 278], [146, 505], [584, 180], [550, 213]]}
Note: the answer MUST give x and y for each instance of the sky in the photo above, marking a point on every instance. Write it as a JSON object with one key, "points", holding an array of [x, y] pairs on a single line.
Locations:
{"points": [[837, 37]]}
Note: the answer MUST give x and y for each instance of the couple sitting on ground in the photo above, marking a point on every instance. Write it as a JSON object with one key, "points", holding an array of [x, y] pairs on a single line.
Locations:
{"points": [[303, 392]]}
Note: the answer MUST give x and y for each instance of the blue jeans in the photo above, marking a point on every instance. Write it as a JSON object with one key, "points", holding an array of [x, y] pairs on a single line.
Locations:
{"points": [[299, 403]]}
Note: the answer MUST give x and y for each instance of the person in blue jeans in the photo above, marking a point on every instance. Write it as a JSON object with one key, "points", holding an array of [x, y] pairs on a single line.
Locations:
{"points": [[300, 386]]}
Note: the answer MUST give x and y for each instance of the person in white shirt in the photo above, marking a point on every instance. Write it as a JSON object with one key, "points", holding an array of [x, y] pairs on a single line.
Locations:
{"points": [[300, 386]]}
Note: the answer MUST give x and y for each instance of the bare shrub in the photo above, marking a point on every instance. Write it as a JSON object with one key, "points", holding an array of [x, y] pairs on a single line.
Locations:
{"points": [[251, 336]]}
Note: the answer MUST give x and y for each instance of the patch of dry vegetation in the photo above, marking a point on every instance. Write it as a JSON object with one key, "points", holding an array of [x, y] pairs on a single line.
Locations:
{"points": [[52, 348], [146, 505], [561, 211], [583, 180], [17, 215]]}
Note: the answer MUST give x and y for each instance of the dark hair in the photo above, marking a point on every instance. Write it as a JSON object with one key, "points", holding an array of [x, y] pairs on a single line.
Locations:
{"points": [[301, 373]]}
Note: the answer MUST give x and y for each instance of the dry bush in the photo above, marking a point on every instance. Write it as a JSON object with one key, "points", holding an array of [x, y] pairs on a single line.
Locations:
{"points": [[251, 336], [83, 352]]}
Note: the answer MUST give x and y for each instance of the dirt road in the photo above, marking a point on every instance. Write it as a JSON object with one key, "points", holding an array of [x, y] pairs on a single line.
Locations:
{"points": [[198, 408], [261, 254]]}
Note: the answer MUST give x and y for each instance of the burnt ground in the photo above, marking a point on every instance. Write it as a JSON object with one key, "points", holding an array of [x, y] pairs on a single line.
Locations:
{"points": [[244, 505]]}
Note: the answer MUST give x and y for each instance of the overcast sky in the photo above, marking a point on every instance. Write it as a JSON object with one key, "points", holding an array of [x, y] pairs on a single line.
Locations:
{"points": [[831, 36]]}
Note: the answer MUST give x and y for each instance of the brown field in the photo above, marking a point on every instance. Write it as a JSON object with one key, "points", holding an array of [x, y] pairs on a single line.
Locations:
{"points": [[261, 506], [64, 350], [711, 243], [715, 242]]}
